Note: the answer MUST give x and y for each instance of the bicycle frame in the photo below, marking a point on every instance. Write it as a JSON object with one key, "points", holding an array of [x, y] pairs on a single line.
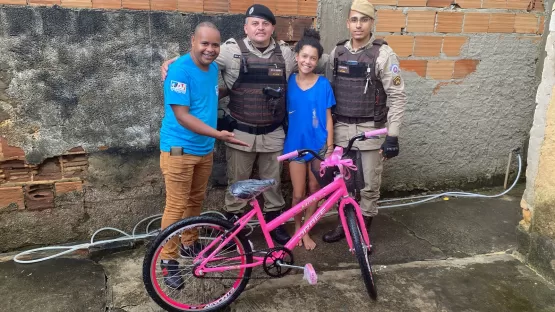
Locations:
{"points": [[338, 191]]}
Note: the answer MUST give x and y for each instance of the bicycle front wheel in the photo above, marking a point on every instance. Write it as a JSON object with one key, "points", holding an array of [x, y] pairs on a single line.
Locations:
{"points": [[361, 251], [184, 291]]}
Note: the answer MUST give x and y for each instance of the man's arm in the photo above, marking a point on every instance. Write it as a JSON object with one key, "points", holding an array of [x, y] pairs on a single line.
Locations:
{"points": [[194, 124], [289, 57], [322, 66], [328, 66], [394, 85]]}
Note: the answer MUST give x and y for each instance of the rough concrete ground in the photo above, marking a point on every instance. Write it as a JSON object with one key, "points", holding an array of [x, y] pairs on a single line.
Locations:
{"points": [[60, 284], [454, 255], [469, 284]]}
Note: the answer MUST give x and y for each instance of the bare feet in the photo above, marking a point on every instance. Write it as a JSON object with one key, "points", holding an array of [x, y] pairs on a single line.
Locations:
{"points": [[309, 244]]}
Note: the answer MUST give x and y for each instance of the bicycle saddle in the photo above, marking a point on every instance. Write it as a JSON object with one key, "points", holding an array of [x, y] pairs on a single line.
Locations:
{"points": [[249, 189]]}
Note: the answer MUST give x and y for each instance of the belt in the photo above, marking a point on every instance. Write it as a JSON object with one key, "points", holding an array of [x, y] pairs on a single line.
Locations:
{"points": [[257, 130], [353, 120]]}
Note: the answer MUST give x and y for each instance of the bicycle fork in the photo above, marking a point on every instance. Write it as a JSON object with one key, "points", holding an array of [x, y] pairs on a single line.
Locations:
{"points": [[362, 225]]}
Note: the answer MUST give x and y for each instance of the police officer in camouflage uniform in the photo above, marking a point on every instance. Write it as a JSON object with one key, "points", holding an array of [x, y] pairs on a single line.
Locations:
{"points": [[370, 94]]}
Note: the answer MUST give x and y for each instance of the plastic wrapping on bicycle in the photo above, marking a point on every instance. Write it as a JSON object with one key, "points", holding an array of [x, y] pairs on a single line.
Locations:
{"points": [[249, 189]]}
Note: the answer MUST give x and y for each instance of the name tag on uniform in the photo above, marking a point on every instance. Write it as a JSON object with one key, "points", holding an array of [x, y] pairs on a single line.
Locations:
{"points": [[343, 69], [276, 72], [237, 55]]}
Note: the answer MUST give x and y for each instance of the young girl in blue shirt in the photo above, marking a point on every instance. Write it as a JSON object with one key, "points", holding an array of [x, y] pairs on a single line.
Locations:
{"points": [[309, 102]]}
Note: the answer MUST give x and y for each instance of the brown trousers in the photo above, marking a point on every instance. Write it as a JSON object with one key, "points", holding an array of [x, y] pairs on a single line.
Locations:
{"points": [[186, 177]]}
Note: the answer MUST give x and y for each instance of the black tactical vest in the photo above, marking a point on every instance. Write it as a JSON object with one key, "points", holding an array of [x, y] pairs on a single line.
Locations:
{"points": [[358, 90], [247, 101]]}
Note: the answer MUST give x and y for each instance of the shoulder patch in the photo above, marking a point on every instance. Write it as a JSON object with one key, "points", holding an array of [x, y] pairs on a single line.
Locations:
{"points": [[394, 68], [397, 80]]}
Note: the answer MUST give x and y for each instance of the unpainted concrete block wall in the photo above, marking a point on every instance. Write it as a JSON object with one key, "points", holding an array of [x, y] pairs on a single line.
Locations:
{"points": [[536, 231]]}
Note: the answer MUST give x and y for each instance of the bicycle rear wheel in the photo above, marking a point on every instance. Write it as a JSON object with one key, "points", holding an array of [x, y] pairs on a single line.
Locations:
{"points": [[212, 292], [361, 251]]}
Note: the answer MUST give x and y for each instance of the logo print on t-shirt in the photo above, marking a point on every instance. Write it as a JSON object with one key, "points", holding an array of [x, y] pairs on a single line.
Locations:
{"points": [[178, 87], [314, 119]]}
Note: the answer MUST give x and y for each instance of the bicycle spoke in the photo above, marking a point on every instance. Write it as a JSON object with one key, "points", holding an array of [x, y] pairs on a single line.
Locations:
{"points": [[198, 291]]}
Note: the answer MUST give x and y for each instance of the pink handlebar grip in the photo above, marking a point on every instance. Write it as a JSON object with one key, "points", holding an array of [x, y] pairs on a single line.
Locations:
{"points": [[368, 134], [288, 156]]}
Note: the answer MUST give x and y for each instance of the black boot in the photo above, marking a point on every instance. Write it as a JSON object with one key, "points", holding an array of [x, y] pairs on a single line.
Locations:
{"points": [[233, 217], [191, 251], [279, 234], [334, 235], [338, 233], [368, 222], [172, 274]]}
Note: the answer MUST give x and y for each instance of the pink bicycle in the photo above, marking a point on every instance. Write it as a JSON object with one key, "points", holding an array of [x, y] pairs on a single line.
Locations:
{"points": [[216, 269]]}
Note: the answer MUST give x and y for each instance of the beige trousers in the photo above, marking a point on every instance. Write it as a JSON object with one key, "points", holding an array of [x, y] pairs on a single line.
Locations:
{"points": [[239, 167], [371, 162]]}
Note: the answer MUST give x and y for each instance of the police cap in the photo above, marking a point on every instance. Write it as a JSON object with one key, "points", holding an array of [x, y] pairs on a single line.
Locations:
{"points": [[261, 11]]}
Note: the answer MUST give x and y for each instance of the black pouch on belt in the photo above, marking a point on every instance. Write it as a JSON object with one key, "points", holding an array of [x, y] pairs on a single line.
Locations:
{"points": [[226, 122]]}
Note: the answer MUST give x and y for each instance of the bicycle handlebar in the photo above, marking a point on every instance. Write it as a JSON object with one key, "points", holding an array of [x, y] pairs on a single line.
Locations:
{"points": [[293, 154], [361, 137]]}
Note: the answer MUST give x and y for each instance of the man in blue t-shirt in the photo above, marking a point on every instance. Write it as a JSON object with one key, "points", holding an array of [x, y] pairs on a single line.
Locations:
{"points": [[187, 139]]}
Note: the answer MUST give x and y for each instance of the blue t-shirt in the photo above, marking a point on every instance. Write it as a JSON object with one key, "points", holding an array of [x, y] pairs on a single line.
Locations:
{"points": [[307, 115], [186, 84]]}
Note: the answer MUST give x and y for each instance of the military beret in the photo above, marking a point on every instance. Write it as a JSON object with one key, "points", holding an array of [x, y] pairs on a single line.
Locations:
{"points": [[261, 11]]}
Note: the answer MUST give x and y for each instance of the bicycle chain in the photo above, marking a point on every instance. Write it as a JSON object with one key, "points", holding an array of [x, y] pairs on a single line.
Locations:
{"points": [[234, 278]]}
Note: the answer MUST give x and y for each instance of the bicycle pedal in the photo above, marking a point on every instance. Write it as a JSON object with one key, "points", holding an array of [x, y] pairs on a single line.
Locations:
{"points": [[310, 274]]}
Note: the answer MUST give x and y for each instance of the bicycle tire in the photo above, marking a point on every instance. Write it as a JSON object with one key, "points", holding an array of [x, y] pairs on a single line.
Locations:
{"points": [[360, 252], [241, 242]]}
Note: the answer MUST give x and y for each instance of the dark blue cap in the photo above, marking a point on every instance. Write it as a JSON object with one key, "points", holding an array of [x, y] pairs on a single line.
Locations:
{"points": [[261, 11]]}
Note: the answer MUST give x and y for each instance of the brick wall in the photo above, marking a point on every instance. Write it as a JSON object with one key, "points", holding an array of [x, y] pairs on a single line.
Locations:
{"points": [[292, 15], [25, 186], [428, 34], [281, 7]]}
